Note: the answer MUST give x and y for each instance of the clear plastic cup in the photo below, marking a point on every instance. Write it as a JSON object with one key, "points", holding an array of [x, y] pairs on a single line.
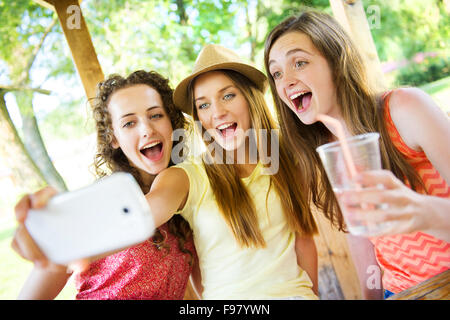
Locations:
{"points": [[365, 154]]}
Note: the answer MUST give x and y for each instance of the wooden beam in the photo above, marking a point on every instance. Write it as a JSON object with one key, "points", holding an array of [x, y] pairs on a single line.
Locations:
{"points": [[80, 43], [337, 274], [351, 15]]}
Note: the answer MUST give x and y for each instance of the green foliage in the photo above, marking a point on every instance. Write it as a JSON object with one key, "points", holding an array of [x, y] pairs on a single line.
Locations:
{"points": [[22, 24], [431, 69], [408, 27]]}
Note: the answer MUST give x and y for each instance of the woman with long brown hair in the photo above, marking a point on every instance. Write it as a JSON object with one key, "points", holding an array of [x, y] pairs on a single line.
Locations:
{"points": [[315, 69]]}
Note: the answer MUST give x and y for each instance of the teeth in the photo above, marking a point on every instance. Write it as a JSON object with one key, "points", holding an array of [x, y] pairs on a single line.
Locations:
{"points": [[296, 95], [224, 126], [151, 145]]}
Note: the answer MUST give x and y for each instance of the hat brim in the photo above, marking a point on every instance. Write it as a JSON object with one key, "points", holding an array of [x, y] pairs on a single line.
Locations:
{"points": [[180, 95]]}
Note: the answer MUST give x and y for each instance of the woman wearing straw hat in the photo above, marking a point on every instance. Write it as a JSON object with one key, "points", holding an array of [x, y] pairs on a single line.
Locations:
{"points": [[244, 234], [251, 243]]}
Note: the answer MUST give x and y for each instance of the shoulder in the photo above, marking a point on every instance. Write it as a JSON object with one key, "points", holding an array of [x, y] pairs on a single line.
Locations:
{"points": [[172, 176], [408, 101], [410, 109]]}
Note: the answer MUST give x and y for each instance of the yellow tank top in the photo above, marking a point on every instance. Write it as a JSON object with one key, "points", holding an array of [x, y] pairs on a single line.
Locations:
{"points": [[230, 271]]}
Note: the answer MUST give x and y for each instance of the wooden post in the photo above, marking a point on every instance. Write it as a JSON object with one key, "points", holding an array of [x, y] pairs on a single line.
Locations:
{"points": [[80, 43], [338, 279], [351, 15]]}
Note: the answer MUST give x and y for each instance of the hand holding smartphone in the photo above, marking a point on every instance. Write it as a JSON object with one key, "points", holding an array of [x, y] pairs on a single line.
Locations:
{"points": [[107, 216]]}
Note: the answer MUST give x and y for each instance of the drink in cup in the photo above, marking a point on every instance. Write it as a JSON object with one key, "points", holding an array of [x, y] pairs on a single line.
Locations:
{"points": [[363, 153]]}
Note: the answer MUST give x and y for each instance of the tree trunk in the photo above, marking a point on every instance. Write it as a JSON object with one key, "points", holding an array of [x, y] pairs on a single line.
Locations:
{"points": [[25, 173], [33, 141]]}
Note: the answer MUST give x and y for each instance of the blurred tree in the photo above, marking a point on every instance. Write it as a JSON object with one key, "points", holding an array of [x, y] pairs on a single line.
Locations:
{"points": [[13, 154], [25, 26]]}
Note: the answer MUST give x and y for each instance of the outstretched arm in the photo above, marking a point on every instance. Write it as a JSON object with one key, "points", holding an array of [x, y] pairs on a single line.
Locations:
{"points": [[168, 194]]}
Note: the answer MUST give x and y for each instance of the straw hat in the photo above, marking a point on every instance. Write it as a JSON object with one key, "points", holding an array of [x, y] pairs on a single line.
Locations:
{"points": [[215, 57]]}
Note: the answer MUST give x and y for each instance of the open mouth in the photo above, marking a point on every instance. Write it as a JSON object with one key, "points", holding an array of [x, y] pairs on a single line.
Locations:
{"points": [[153, 151], [301, 100], [227, 129]]}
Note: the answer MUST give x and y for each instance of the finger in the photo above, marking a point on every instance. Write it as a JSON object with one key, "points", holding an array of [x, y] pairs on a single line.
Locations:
{"points": [[377, 216], [40, 198], [22, 207], [378, 177], [382, 223], [374, 196], [26, 247]]}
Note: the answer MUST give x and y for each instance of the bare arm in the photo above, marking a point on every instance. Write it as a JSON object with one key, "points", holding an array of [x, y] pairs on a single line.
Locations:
{"points": [[369, 273], [305, 248], [168, 194], [423, 126], [43, 284]]}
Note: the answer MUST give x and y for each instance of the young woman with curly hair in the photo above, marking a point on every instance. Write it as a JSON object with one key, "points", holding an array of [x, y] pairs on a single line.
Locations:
{"points": [[135, 118]]}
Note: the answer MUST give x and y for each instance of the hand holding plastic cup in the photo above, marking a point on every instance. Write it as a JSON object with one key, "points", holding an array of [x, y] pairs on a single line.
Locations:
{"points": [[343, 160]]}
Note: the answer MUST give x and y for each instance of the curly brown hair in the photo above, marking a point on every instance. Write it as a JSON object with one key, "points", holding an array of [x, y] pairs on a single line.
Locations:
{"points": [[108, 160]]}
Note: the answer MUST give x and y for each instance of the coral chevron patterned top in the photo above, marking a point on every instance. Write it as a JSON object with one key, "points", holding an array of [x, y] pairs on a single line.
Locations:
{"points": [[408, 259], [140, 272]]}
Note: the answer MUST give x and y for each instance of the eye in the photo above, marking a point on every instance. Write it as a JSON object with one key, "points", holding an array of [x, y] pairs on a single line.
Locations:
{"points": [[276, 75], [203, 106], [300, 64], [156, 116], [128, 124], [229, 96]]}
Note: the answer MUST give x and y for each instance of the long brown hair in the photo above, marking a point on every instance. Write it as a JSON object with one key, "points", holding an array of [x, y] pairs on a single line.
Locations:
{"points": [[108, 160], [232, 196], [361, 108]]}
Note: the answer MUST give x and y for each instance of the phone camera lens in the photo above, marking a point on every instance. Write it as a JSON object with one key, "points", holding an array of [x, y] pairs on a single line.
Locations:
{"points": [[125, 210]]}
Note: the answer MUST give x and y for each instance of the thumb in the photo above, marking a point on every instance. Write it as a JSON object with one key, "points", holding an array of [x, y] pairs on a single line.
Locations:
{"points": [[40, 198]]}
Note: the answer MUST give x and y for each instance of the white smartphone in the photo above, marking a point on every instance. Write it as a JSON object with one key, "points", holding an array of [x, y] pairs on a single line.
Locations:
{"points": [[106, 216]]}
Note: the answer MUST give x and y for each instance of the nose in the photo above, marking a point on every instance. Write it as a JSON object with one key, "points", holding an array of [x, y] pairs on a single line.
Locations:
{"points": [[289, 79], [219, 110], [146, 129]]}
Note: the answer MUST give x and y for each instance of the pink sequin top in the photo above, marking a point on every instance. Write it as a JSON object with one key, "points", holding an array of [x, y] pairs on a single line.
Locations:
{"points": [[140, 272]]}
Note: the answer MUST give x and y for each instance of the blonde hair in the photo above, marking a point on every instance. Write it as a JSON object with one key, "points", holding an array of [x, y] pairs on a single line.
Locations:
{"points": [[232, 196], [361, 107]]}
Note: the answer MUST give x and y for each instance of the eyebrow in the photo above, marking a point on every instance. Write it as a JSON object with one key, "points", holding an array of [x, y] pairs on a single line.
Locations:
{"points": [[291, 52], [221, 90], [132, 113]]}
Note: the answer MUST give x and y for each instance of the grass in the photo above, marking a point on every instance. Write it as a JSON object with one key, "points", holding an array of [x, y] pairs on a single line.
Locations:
{"points": [[14, 270]]}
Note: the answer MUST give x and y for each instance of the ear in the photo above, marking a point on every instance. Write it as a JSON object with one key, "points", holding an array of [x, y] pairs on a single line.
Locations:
{"points": [[114, 143]]}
